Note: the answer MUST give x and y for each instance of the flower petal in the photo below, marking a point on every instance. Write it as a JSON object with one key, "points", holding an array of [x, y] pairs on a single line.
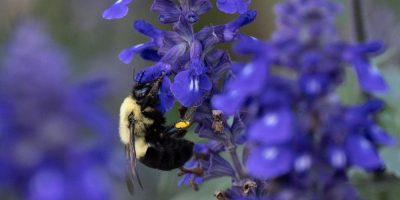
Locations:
{"points": [[273, 128], [118, 10], [150, 74], [200, 6], [269, 162], [362, 153], [250, 80], [166, 96], [229, 102], [369, 77], [127, 54], [233, 6], [188, 88], [379, 136], [168, 10]]}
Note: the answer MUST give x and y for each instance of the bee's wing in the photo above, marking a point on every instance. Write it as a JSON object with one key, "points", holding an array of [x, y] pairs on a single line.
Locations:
{"points": [[130, 153]]}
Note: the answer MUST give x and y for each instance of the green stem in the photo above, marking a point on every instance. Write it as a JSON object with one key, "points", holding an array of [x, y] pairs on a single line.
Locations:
{"points": [[236, 162], [357, 12]]}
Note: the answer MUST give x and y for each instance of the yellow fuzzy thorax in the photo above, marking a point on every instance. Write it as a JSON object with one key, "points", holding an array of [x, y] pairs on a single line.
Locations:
{"points": [[130, 106]]}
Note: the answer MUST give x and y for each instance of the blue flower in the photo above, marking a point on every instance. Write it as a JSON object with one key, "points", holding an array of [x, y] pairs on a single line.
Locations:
{"points": [[118, 10], [279, 122], [295, 124], [46, 117], [188, 87], [233, 6], [181, 53], [205, 165], [269, 162], [250, 81], [350, 133]]}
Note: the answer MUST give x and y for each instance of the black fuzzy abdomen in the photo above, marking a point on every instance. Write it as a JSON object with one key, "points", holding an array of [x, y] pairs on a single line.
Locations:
{"points": [[168, 154]]}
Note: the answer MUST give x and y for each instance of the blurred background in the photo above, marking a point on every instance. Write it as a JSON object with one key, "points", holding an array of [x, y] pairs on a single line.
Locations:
{"points": [[62, 83]]}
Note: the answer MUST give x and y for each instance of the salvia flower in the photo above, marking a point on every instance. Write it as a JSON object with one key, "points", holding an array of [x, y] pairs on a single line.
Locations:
{"points": [[299, 140], [186, 56], [190, 69], [43, 153], [206, 164], [296, 125]]}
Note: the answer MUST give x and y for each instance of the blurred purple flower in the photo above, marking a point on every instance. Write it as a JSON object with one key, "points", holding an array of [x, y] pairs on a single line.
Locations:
{"points": [[45, 152], [296, 126]]}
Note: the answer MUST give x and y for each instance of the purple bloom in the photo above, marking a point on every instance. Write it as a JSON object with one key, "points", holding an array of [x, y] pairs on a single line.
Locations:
{"points": [[233, 6], [118, 10], [281, 105], [278, 122], [43, 150], [189, 87], [205, 165], [269, 162], [180, 53], [296, 125]]}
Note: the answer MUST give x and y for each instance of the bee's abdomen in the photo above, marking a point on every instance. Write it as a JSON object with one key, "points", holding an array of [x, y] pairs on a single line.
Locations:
{"points": [[168, 154]]}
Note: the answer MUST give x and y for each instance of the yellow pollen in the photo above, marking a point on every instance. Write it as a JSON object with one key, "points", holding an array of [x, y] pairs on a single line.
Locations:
{"points": [[182, 124]]}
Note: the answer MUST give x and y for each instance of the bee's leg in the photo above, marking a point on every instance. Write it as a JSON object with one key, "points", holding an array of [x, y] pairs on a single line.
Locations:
{"points": [[152, 96], [172, 131]]}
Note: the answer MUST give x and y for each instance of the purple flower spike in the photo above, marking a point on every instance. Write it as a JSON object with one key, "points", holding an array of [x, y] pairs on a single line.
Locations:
{"points": [[189, 89], [233, 6], [118, 10], [269, 162]]}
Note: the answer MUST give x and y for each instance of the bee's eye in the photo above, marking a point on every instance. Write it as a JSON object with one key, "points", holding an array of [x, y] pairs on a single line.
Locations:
{"points": [[142, 92]]}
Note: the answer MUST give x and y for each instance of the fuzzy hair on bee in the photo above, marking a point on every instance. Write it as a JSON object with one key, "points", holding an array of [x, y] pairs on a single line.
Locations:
{"points": [[145, 135]]}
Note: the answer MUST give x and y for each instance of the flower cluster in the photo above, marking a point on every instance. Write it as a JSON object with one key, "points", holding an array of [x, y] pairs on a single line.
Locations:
{"points": [[187, 56], [299, 139], [197, 68], [44, 152], [299, 134]]}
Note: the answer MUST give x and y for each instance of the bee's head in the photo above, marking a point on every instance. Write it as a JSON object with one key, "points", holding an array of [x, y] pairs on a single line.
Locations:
{"points": [[141, 91]]}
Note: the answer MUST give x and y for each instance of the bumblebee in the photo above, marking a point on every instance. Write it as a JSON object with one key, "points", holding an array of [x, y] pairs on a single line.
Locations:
{"points": [[145, 135]]}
